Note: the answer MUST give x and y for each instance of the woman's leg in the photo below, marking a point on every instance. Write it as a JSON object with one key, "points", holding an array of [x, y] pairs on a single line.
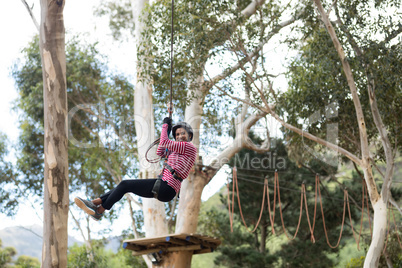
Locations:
{"points": [[97, 201], [166, 192], [140, 187]]}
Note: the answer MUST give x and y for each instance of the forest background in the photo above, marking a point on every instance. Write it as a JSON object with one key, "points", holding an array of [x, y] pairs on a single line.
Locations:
{"points": [[114, 51]]}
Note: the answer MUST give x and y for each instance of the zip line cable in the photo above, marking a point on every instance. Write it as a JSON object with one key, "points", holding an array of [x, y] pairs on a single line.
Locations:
{"points": [[170, 109], [170, 104]]}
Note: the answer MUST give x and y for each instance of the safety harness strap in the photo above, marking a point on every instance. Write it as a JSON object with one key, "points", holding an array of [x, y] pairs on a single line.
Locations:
{"points": [[157, 185], [175, 175]]}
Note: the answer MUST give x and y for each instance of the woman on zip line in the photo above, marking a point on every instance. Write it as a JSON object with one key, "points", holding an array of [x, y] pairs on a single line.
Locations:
{"points": [[181, 155]]}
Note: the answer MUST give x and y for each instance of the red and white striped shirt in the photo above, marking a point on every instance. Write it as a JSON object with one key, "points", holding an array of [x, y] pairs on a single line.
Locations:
{"points": [[181, 157]]}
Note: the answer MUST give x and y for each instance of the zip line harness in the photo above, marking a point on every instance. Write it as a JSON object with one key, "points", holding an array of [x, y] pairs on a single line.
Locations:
{"points": [[156, 187]]}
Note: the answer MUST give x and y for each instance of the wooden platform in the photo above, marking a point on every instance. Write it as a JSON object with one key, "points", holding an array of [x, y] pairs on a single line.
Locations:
{"points": [[173, 242]]}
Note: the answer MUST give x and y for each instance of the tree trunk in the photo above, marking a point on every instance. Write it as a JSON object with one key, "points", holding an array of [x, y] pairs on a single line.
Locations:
{"points": [[187, 217], [154, 210], [379, 232], [56, 200], [264, 235], [190, 199], [191, 190], [192, 187]]}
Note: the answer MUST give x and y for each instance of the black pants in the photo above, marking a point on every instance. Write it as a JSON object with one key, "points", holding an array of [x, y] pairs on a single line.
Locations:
{"points": [[141, 187]]}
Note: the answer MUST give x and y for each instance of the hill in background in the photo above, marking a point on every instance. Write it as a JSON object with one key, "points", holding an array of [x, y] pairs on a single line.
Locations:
{"points": [[27, 240]]}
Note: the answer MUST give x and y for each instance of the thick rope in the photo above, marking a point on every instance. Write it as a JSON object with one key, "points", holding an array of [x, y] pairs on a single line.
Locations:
{"points": [[271, 211], [262, 205], [235, 187], [308, 217], [343, 218], [280, 210]]}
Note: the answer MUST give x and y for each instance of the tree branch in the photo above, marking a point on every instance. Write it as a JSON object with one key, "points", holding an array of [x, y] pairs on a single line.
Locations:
{"points": [[365, 161], [212, 82], [395, 204], [376, 116], [136, 234], [86, 240], [393, 34], [386, 144], [239, 142], [31, 14]]}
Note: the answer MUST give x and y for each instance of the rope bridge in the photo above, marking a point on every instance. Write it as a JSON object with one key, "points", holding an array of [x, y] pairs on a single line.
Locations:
{"points": [[303, 199]]}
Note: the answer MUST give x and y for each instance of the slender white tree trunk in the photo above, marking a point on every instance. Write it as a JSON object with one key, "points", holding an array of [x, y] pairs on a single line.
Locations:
{"points": [[56, 200], [379, 233], [154, 211], [378, 201]]}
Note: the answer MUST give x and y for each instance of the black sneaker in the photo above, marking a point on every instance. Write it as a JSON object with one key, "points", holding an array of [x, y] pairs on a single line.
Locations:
{"points": [[85, 205]]}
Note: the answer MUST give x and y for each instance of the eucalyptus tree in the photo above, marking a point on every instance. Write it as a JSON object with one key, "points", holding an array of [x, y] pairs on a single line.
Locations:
{"points": [[101, 130], [348, 72], [257, 244], [203, 31], [56, 199]]}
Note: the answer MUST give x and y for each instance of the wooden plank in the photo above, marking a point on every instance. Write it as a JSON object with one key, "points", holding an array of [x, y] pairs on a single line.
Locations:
{"points": [[190, 247], [132, 247], [196, 240], [148, 251], [157, 238], [169, 249], [172, 242], [177, 241]]}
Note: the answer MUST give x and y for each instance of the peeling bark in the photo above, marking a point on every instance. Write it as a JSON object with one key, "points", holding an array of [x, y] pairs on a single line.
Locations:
{"points": [[56, 199]]}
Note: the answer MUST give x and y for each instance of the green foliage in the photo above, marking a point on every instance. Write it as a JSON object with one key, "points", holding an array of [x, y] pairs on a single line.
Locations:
{"points": [[238, 247], [209, 36], [319, 87], [80, 256], [27, 262], [101, 126], [8, 195], [125, 258], [121, 17], [356, 263], [6, 255], [393, 248], [263, 246]]}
